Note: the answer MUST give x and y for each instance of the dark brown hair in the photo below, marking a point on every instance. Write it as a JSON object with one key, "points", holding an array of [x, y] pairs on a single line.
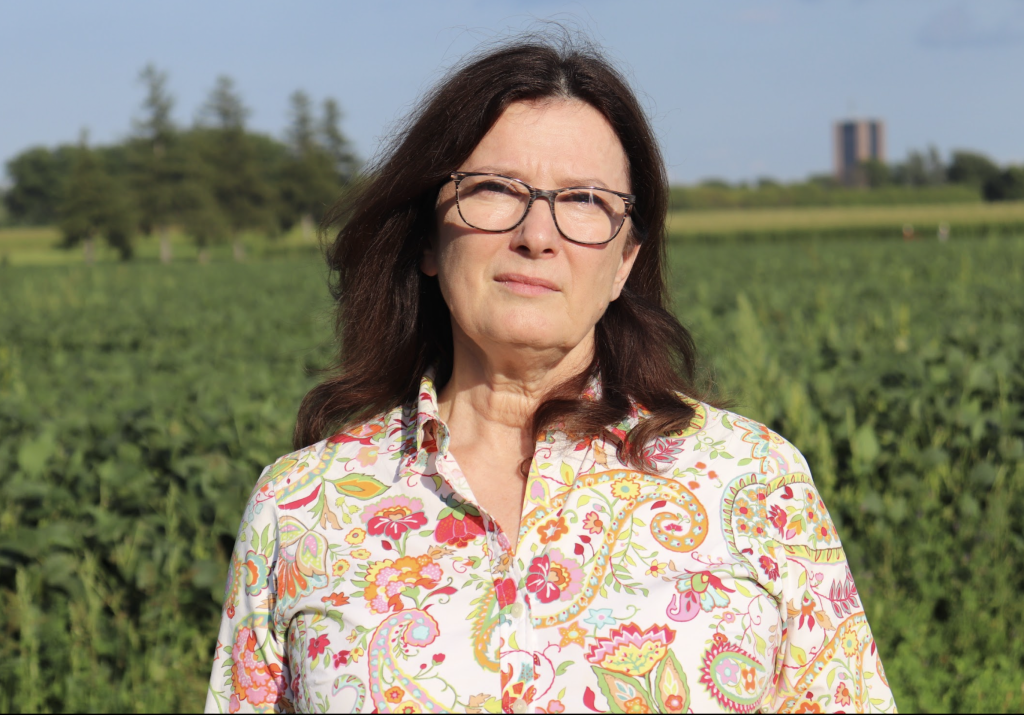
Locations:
{"points": [[391, 319]]}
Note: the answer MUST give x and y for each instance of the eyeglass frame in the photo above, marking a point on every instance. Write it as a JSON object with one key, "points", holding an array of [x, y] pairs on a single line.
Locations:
{"points": [[550, 195]]}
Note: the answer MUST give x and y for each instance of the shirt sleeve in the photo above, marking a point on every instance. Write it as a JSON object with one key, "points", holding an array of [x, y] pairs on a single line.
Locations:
{"points": [[827, 660], [250, 673]]}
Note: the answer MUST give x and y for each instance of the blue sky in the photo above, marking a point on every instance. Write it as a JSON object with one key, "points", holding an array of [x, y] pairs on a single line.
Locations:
{"points": [[736, 89]]}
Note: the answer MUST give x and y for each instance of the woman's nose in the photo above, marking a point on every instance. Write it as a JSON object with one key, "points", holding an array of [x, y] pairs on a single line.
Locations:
{"points": [[538, 234]]}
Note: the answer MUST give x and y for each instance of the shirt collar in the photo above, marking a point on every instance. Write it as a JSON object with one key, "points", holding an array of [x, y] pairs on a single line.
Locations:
{"points": [[619, 429], [431, 431]]}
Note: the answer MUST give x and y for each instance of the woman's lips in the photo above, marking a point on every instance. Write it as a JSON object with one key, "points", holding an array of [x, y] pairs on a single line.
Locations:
{"points": [[526, 285]]}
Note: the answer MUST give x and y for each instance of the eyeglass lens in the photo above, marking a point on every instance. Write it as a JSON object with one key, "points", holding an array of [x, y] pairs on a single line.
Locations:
{"points": [[494, 203]]}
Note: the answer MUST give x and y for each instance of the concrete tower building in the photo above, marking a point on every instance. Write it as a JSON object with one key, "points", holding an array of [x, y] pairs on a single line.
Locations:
{"points": [[855, 141]]}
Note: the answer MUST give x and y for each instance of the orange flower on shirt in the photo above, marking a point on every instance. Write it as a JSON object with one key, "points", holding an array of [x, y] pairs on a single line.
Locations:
{"points": [[572, 634], [388, 579], [335, 599], [592, 523], [553, 530], [749, 676]]}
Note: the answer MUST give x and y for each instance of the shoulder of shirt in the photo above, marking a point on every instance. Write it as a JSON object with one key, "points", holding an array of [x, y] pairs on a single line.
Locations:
{"points": [[286, 467], [734, 440]]}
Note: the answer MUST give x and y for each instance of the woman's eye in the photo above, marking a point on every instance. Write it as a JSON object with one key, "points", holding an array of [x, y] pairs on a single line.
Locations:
{"points": [[583, 197], [497, 187]]}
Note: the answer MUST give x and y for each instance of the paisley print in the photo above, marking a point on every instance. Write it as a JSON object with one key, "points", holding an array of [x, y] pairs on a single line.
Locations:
{"points": [[733, 676], [403, 635], [367, 578]]}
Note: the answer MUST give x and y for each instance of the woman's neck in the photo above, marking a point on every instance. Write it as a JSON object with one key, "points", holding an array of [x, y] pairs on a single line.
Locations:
{"points": [[493, 395]]}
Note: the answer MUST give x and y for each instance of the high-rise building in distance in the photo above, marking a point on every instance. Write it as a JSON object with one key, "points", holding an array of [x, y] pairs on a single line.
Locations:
{"points": [[855, 141]]}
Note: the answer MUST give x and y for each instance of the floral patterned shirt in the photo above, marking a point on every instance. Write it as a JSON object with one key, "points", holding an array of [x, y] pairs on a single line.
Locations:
{"points": [[366, 578]]}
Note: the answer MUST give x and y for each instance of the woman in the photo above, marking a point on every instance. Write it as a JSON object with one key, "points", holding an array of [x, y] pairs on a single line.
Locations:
{"points": [[510, 497]]}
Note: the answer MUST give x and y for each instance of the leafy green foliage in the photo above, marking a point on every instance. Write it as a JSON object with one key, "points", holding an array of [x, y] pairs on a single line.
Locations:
{"points": [[1007, 185], [139, 403], [968, 167], [137, 406], [94, 205], [214, 180], [309, 178], [240, 184], [896, 368], [37, 175]]}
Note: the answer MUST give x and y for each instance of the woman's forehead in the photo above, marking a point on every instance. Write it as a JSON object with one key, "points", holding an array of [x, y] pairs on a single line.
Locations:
{"points": [[565, 141]]}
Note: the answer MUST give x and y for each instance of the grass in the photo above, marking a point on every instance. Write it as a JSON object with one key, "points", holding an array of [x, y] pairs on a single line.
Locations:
{"points": [[886, 219], [42, 246], [138, 403]]}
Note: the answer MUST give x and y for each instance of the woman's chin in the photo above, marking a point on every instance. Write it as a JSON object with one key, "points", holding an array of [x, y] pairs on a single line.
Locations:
{"points": [[539, 334]]}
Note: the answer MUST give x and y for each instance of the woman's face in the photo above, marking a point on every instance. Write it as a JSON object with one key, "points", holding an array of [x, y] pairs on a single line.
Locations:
{"points": [[531, 288]]}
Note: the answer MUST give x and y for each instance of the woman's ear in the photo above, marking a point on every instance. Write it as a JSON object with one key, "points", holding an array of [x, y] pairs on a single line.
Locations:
{"points": [[622, 274]]}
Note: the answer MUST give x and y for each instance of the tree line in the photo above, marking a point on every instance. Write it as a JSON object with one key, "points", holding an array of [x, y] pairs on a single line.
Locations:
{"points": [[213, 180], [964, 167], [216, 179], [923, 177]]}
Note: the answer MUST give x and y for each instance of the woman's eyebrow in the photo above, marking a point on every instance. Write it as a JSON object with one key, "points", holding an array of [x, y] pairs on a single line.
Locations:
{"points": [[585, 181], [569, 181]]}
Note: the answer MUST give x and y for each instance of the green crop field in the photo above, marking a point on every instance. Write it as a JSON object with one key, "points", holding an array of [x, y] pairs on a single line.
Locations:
{"points": [[961, 219], [138, 403], [42, 246]]}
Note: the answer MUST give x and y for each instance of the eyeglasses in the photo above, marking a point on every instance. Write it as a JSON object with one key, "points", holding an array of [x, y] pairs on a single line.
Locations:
{"points": [[582, 214]]}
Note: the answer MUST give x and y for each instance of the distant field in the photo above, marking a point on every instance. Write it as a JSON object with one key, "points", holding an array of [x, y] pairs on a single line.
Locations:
{"points": [[834, 218], [41, 246], [36, 245]]}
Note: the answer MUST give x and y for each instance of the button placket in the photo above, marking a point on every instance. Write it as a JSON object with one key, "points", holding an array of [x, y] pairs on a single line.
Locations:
{"points": [[514, 624]]}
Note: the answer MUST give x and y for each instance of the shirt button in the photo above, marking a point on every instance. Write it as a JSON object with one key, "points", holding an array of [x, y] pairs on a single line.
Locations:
{"points": [[517, 612], [519, 706]]}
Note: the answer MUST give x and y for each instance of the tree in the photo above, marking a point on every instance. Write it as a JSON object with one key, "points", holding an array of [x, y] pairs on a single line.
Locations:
{"points": [[224, 108], [934, 167], [203, 220], [38, 176], [309, 180], [301, 135], [969, 167], [157, 124], [921, 169], [1007, 185], [345, 162], [876, 173], [240, 188], [94, 205], [166, 169]]}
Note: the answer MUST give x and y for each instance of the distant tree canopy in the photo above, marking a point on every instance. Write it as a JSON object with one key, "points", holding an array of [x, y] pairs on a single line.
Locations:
{"points": [[213, 179], [38, 176], [217, 179], [922, 177], [967, 167], [94, 204], [1007, 185]]}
